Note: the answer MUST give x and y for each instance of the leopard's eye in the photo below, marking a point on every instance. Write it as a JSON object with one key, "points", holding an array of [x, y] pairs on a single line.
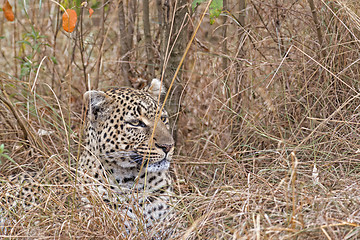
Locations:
{"points": [[136, 123], [164, 119]]}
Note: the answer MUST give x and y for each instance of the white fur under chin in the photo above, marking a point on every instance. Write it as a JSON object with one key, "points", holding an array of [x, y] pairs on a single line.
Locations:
{"points": [[159, 166]]}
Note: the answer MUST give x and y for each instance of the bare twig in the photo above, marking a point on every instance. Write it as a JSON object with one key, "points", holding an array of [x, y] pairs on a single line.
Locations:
{"points": [[224, 35], [124, 46], [102, 35], [15, 113], [318, 27], [81, 46], [148, 41]]}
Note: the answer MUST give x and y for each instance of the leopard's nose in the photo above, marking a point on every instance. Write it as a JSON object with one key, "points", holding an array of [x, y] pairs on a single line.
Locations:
{"points": [[165, 147]]}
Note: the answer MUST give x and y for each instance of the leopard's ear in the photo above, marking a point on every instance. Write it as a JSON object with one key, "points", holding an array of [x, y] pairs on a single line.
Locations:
{"points": [[96, 101], [155, 88]]}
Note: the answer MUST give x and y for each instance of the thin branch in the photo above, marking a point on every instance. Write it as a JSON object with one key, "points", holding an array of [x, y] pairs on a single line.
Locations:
{"points": [[318, 27], [81, 47], [98, 63], [124, 46], [148, 42], [224, 34], [14, 112]]}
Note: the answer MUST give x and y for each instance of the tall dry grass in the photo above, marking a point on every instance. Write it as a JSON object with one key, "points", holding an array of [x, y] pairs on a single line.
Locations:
{"points": [[267, 148]]}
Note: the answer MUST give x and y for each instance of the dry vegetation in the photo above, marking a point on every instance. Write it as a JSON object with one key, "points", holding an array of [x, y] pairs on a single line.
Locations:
{"points": [[268, 139]]}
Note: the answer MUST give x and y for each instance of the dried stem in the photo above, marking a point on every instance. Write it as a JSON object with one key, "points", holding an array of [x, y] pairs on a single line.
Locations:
{"points": [[8, 103], [102, 35], [124, 46], [148, 42], [81, 48], [318, 27], [224, 42]]}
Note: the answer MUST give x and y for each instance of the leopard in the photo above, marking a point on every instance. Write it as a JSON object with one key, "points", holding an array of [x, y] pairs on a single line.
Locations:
{"points": [[127, 151]]}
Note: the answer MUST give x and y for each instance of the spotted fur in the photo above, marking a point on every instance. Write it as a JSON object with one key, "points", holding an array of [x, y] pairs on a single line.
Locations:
{"points": [[127, 152]]}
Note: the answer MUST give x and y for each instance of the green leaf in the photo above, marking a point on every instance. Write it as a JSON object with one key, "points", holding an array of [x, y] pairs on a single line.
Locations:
{"points": [[8, 158], [4, 154], [54, 59], [30, 34], [195, 3], [25, 70], [215, 8], [24, 42], [2, 148], [36, 47]]}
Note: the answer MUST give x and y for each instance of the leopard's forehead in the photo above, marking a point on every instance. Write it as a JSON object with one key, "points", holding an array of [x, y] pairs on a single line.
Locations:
{"points": [[134, 102]]}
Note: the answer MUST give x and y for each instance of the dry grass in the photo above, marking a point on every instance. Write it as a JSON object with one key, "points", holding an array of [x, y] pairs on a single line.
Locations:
{"points": [[267, 149]]}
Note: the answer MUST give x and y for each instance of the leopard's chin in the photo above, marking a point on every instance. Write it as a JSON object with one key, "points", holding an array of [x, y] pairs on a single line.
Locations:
{"points": [[158, 166]]}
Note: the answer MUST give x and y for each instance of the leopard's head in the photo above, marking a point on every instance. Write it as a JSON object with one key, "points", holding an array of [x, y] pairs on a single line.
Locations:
{"points": [[129, 128]]}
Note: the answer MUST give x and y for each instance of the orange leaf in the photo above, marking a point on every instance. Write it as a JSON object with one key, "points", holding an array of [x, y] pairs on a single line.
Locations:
{"points": [[9, 15], [91, 11], [69, 20]]}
